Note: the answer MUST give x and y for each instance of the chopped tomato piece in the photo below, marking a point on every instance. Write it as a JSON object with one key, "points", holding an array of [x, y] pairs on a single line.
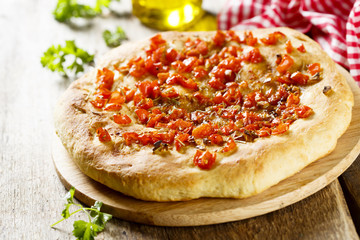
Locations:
{"points": [[249, 39], [129, 95], [304, 111], [103, 135], [137, 67], [157, 39], [314, 68], [264, 132], [112, 107], [199, 72], [162, 77], [301, 48], [216, 83], [202, 131], [219, 38], [105, 78], [154, 119], [103, 93], [285, 64], [230, 145], [204, 159], [292, 100], [170, 93], [279, 129], [130, 137], [98, 102], [172, 55], [180, 140], [272, 38], [117, 97], [149, 88], [143, 115], [202, 99], [253, 56], [216, 139], [122, 119], [288, 46], [299, 78]]}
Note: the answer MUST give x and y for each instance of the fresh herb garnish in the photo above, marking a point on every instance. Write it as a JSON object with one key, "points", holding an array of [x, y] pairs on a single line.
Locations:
{"points": [[67, 9], [56, 56], [85, 230], [114, 39]]}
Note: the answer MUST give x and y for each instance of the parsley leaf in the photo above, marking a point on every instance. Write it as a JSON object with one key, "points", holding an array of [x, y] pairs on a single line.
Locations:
{"points": [[56, 57], [85, 230], [65, 10], [114, 39]]}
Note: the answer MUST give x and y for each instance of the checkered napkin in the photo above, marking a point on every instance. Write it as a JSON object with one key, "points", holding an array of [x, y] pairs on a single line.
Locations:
{"points": [[334, 24]]}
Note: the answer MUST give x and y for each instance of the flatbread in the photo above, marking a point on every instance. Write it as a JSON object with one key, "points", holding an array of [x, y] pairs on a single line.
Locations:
{"points": [[252, 167]]}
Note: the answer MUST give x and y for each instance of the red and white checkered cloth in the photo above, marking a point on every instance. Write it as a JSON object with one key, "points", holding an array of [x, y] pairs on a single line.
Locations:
{"points": [[334, 24]]}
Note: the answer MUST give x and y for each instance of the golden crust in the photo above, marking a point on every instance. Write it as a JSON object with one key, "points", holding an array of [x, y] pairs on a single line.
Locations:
{"points": [[253, 168]]}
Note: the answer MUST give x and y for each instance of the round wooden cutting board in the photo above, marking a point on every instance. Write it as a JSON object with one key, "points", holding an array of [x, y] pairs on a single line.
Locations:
{"points": [[206, 211]]}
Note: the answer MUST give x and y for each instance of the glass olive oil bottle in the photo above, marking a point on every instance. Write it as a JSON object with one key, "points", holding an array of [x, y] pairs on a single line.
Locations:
{"points": [[167, 14]]}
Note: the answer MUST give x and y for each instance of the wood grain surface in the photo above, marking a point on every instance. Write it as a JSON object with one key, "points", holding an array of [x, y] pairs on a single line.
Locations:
{"points": [[210, 211], [31, 194]]}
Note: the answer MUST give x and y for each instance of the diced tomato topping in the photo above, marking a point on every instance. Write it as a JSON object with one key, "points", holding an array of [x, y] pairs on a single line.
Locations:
{"points": [[98, 102], [143, 115], [216, 83], [103, 93], [177, 113], [272, 38], [249, 39], [202, 131], [137, 67], [299, 78], [129, 95], [117, 97], [216, 139], [149, 89], [204, 159], [105, 78], [230, 145], [304, 111], [219, 38], [170, 93], [314, 68], [281, 128], [301, 48], [199, 72], [103, 135], [172, 55], [285, 64], [245, 106], [180, 140], [229, 128], [288, 46], [253, 56], [112, 107], [130, 137], [122, 119], [264, 132], [157, 40], [292, 100]]}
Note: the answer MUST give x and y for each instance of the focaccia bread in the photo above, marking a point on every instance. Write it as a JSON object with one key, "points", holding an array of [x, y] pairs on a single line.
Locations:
{"points": [[185, 115]]}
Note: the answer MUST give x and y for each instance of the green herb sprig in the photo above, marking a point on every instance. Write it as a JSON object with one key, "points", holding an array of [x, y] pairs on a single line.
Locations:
{"points": [[114, 39], [55, 58], [65, 10], [85, 230]]}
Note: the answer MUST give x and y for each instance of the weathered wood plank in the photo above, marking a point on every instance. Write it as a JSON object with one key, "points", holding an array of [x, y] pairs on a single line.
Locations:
{"points": [[350, 181]]}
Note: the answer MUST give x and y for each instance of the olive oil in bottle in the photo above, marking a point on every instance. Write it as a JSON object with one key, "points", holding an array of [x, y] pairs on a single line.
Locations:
{"points": [[167, 14]]}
